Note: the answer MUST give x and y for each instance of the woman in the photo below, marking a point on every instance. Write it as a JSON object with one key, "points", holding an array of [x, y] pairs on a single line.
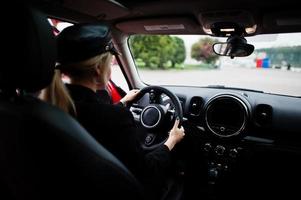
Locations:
{"points": [[84, 54]]}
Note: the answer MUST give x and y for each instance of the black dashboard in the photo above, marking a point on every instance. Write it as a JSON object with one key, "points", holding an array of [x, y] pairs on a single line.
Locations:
{"points": [[242, 137], [224, 114], [260, 111], [236, 137]]}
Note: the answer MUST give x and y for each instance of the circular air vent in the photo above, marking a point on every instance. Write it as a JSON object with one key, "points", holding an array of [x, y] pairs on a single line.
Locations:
{"points": [[195, 106], [226, 115], [263, 114]]}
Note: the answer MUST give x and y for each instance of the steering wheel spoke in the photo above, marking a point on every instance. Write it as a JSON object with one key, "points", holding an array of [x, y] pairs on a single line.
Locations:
{"points": [[136, 111], [149, 139]]}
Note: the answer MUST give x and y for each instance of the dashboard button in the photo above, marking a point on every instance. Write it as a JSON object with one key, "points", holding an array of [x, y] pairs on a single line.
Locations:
{"points": [[233, 153], [220, 150], [207, 147]]}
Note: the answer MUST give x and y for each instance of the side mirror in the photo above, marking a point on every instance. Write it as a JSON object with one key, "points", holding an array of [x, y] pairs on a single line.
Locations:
{"points": [[236, 46]]}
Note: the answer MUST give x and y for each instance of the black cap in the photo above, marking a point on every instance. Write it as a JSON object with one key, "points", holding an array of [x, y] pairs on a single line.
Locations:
{"points": [[83, 41]]}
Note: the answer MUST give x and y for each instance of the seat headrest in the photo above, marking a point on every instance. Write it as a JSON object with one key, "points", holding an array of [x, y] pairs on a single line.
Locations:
{"points": [[35, 69]]}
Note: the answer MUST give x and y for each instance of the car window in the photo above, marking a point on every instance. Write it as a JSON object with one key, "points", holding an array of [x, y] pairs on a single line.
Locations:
{"points": [[117, 76], [274, 66], [58, 25]]}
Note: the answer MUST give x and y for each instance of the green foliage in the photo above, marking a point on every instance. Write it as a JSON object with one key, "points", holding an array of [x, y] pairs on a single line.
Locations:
{"points": [[157, 51], [179, 51], [154, 62], [140, 63], [277, 55], [202, 51]]}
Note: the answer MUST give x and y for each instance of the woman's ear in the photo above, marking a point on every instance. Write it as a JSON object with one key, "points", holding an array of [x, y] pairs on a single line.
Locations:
{"points": [[98, 70], [98, 78]]}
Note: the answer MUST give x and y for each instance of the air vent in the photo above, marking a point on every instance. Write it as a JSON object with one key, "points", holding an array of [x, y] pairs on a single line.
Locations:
{"points": [[195, 106], [263, 114]]}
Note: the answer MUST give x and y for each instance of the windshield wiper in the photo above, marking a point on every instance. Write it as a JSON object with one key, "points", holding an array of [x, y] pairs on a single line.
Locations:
{"points": [[232, 88]]}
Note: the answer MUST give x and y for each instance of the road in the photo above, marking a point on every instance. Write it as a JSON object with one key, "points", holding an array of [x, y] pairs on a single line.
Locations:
{"points": [[267, 80]]}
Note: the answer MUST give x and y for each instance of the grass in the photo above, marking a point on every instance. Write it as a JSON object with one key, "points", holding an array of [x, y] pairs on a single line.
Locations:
{"points": [[201, 66]]}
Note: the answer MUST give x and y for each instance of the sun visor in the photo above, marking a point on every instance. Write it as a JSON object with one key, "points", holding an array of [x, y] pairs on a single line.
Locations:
{"points": [[161, 26], [282, 22], [101, 9]]}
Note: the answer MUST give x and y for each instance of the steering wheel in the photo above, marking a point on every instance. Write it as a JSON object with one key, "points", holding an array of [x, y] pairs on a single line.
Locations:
{"points": [[155, 118]]}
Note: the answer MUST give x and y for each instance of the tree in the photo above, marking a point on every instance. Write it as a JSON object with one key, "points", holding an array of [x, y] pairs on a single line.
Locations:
{"points": [[158, 51], [179, 53], [202, 51]]}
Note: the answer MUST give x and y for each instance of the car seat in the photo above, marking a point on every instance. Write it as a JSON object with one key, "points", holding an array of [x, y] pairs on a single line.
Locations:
{"points": [[44, 152]]}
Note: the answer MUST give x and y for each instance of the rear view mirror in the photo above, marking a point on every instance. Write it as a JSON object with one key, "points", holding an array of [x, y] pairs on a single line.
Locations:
{"points": [[236, 46]]}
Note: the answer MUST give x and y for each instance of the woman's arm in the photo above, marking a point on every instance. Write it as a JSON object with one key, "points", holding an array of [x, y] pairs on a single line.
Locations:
{"points": [[175, 135], [129, 97]]}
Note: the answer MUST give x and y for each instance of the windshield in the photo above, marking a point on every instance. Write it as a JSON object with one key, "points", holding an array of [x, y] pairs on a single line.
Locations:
{"points": [[274, 66]]}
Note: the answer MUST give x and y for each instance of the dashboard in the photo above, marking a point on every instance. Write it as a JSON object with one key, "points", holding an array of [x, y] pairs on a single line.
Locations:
{"points": [[227, 113], [233, 138], [241, 137]]}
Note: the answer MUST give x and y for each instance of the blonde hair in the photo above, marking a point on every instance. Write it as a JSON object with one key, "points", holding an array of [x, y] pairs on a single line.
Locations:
{"points": [[57, 94]]}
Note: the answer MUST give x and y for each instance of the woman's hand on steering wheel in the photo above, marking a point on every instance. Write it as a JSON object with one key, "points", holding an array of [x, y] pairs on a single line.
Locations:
{"points": [[130, 96], [176, 134]]}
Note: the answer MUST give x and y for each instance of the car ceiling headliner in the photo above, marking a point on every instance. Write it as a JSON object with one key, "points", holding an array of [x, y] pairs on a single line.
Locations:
{"points": [[264, 12]]}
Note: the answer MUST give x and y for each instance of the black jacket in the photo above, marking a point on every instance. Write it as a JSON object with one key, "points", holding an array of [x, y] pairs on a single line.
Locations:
{"points": [[105, 97], [114, 127]]}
